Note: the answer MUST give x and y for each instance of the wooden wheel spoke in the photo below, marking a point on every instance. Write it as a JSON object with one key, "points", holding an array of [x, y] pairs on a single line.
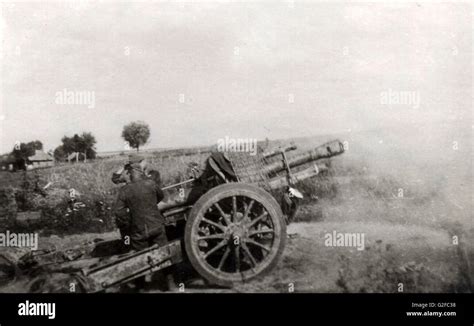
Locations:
{"points": [[255, 243], [252, 233], [248, 208], [223, 259], [224, 215], [249, 254], [261, 217], [212, 236], [234, 209], [217, 225], [217, 247], [237, 258]]}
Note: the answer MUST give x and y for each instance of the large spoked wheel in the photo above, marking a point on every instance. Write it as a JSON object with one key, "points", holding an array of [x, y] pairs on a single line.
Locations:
{"points": [[235, 232]]}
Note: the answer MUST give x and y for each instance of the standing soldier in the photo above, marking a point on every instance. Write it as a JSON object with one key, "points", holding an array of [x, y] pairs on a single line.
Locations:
{"points": [[122, 176], [137, 204]]}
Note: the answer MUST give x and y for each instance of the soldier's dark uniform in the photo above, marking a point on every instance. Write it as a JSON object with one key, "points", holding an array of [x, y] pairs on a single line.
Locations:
{"points": [[137, 205], [122, 176]]}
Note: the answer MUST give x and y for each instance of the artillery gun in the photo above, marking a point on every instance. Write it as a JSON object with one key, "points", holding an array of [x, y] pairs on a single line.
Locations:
{"points": [[223, 221]]}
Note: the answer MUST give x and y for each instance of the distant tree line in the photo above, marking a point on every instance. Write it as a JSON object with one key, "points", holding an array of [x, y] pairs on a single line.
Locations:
{"points": [[136, 134], [21, 152], [84, 143]]}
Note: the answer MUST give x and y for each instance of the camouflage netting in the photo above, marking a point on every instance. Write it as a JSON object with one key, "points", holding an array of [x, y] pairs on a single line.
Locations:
{"points": [[248, 168]]}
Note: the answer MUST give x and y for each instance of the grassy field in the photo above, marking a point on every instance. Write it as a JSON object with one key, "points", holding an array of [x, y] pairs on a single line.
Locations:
{"points": [[92, 185]]}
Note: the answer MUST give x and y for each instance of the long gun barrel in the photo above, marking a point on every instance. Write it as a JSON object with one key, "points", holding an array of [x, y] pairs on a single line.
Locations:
{"points": [[309, 172], [179, 198], [327, 150]]}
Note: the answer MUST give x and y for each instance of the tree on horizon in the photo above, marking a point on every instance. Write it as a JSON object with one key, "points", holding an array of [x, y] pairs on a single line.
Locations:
{"points": [[136, 134]]}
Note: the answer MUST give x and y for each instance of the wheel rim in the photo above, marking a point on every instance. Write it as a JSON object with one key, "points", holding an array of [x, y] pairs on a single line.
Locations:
{"points": [[236, 236]]}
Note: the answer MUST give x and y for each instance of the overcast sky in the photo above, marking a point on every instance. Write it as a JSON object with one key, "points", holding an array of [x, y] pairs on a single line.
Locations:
{"points": [[274, 70]]}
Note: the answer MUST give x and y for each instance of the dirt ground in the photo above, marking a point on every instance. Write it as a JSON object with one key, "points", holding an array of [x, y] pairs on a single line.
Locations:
{"points": [[412, 254]]}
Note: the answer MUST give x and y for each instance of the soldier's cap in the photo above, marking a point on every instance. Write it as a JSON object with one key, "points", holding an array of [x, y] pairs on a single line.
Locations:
{"points": [[135, 158]]}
